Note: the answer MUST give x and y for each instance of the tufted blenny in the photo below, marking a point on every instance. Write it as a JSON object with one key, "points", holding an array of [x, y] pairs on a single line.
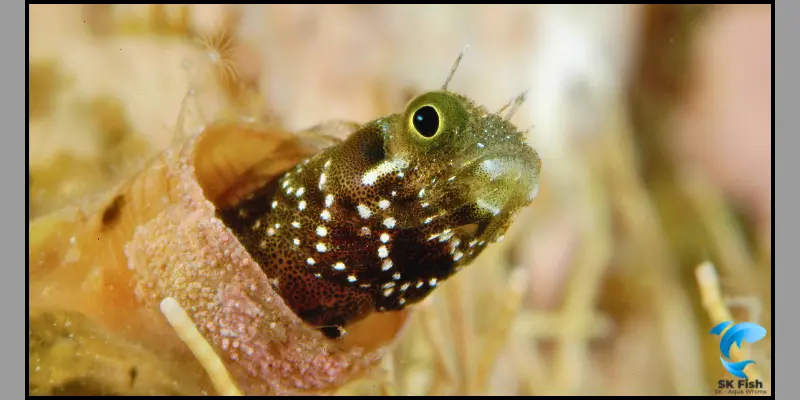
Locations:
{"points": [[377, 221]]}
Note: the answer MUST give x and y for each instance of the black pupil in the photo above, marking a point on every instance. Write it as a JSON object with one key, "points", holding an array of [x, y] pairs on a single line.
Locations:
{"points": [[426, 120]]}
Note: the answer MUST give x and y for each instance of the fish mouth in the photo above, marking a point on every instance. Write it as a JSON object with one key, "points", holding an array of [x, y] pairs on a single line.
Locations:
{"points": [[482, 192], [513, 172]]}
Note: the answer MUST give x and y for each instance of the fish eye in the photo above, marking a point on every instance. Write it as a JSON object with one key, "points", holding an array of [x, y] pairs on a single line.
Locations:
{"points": [[426, 121]]}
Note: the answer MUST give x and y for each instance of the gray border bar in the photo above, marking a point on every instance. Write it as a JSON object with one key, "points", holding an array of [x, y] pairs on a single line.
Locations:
{"points": [[785, 65], [14, 113]]}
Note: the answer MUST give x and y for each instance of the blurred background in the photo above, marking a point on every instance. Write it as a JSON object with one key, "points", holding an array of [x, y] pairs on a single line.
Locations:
{"points": [[653, 222]]}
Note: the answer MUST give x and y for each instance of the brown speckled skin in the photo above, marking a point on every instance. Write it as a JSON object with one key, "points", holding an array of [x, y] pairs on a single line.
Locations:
{"points": [[377, 222]]}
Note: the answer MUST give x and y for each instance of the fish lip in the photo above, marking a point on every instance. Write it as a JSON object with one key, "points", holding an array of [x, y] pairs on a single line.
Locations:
{"points": [[517, 156], [465, 168]]}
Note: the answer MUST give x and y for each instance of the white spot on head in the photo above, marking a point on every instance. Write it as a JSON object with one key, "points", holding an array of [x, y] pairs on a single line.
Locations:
{"points": [[351, 278], [387, 265], [383, 252], [480, 145], [457, 256], [270, 232], [451, 178], [339, 266], [296, 241], [317, 275], [421, 193], [328, 200], [384, 204], [300, 192], [385, 237], [277, 226], [327, 164], [401, 301], [425, 204], [310, 261], [419, 284], [363, 211], [428, 220], [274, 203], [322, 179], [396, 164], [289, 190], [370, 177], [388, 285], [325, 215], [263, 244], [400, 175], [404, 287], [500, 239], [295, 224], [433, 281], [301, 205], [389, 222], [284, 184], [396, 276], [322, 231], [394, 193], [321, 247], [388, 292]]}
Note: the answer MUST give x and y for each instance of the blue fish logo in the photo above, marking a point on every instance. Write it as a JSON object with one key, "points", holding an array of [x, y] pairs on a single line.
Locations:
{"points": [[738, 333]]}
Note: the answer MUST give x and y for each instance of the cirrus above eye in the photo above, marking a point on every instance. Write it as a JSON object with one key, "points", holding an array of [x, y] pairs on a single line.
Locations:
{"points": [[426, 121]]}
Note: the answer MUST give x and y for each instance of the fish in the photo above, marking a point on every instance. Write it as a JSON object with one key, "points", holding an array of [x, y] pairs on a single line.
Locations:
{"points": [[376, 222]]}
